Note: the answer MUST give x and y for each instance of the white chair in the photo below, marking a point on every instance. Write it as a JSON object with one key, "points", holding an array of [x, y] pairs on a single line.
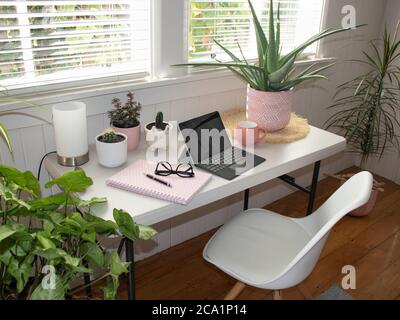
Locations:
{"points": [[266, 250]]}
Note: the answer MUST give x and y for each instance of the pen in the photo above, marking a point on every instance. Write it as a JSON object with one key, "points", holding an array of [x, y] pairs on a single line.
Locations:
{"points": [[158, 180]]}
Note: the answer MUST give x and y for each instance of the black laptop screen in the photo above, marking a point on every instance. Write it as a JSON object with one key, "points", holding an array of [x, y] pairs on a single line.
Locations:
{"points": [[205, 136]]}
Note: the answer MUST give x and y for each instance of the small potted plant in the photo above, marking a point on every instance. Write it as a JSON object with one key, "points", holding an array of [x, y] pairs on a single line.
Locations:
{"points": [[124, 118], [157, 132], [111, 148]]}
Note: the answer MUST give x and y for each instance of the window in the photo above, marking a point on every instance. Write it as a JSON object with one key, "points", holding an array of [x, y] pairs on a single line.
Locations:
{"points": [[230, 23], [69, 40], [56, 41]]}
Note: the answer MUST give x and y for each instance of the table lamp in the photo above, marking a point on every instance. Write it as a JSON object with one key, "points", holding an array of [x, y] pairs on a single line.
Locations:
{"points": [[70, 130]]}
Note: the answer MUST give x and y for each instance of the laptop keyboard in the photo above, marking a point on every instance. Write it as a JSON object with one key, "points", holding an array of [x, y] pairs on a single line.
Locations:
{"points": [[225, 159]]}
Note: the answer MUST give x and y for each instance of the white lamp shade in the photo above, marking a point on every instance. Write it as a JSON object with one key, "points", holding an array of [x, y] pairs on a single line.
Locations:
{"points": [[70, 129]]}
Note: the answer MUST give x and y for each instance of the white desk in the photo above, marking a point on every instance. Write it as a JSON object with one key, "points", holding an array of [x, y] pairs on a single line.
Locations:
{"points": [[280, 160]]}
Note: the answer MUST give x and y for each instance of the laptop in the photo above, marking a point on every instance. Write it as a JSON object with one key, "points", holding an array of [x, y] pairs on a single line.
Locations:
{"points": [[209, 147]]}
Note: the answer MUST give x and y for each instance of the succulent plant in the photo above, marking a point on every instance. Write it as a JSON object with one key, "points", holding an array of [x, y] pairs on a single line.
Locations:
{"points": [[127, 115], [159, 121], [110, 136], [274, 71]]}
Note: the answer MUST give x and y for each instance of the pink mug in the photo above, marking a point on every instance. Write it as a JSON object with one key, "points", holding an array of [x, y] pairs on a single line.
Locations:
{"points": [[249, 133]]}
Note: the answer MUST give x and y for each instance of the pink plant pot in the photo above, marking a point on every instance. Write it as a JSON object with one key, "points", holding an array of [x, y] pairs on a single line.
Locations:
{"points": [[133, 135], [270, 110], [366, 208]]}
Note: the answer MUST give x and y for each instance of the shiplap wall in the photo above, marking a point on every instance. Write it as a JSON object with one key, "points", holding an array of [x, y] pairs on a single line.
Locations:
{"points": [[32, 137]]}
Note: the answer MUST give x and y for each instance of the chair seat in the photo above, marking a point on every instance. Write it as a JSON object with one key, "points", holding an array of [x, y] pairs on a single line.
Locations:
{"points": [[256, 246]]}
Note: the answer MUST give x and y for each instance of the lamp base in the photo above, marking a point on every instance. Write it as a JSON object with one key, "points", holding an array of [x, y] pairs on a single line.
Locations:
{"points": [[73, 161]]}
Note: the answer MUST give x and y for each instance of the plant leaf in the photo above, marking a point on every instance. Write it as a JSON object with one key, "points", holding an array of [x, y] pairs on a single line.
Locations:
{"points": [[4, 134], [272, 58], [116, 266], [146, 232], [56, 293], [9, 195], [74, 181], [126, 225], [50, 254], [5, 232], [91, 202], [44, 241], [21, 271], [262, 43], [24, 180], [93, 254], [282, 73]]}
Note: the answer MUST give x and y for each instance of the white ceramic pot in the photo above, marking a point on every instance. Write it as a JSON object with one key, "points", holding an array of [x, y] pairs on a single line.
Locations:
{"points": [[270, 110], [156, 138], [112, 155]]}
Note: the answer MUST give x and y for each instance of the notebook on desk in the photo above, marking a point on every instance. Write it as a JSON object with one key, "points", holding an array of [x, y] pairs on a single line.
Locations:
{"points": [[133, 178]]}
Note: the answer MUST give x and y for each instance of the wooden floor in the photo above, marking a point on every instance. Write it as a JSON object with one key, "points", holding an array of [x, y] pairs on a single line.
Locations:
{"points": [[371, 244]]}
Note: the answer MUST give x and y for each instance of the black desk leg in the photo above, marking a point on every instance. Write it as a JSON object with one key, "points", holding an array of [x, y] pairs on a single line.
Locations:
{"points": [[313, 189], [88, 287], [130, 257], [246, 199]]}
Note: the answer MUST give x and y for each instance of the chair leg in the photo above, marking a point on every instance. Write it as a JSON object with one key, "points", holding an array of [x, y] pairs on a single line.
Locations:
{"points": [[277, 294], [235, 291]]}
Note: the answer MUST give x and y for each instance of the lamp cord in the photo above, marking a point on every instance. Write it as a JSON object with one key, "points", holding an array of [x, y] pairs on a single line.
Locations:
{"points": [[41, 163]]}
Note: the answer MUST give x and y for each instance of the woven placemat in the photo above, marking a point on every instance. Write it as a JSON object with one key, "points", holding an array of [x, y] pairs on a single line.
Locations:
{"points": [[297, 129]]}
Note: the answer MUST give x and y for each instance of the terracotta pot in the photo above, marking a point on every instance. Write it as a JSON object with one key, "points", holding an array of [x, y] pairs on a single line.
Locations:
{"points": [[133, 135], [271, 110], [366, 208]]}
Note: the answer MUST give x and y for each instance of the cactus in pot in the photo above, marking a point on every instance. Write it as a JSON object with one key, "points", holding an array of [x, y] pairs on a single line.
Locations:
{"points": [[110, 136], [111, 148], [157, 133], [159, 120]]}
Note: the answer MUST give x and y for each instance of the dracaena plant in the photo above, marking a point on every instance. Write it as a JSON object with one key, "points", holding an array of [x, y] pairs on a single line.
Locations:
{"points": [[46, 243], [273, 71], [368, 105]]}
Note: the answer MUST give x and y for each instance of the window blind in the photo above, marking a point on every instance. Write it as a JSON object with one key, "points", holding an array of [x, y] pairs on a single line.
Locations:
{"points": [[69, 40], [230, 22]]}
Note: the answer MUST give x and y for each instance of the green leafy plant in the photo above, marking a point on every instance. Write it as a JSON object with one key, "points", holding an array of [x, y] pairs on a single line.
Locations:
{"points": [[110, 136], [159, 121], [125, 115], [273, 71], [57, 234], [368, 104]]}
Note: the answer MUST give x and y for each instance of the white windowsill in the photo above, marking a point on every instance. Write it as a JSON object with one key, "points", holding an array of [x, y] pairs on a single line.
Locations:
{"points": [[87, 91]]}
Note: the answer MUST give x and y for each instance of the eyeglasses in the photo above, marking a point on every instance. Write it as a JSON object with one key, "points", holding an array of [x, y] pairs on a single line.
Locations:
{"points": [[183, 170]]}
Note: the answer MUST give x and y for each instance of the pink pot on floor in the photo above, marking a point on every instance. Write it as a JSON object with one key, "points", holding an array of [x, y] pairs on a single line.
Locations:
{"points": [[366, 208], [133, 135], [270, 110]]}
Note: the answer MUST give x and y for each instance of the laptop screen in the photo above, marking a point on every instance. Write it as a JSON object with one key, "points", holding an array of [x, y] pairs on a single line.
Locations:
{"points": [[205, 136]]}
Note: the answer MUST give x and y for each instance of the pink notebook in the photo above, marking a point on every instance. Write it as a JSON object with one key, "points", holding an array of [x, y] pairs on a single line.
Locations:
{"points": [[133, 179]]}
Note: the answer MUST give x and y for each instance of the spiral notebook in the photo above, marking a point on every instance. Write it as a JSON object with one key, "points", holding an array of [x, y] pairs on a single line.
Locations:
{"points": [[133, 179]]}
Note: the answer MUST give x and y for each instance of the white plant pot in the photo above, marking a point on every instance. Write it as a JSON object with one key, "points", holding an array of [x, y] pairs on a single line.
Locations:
{"points": [[156, 138], [112, 155]]}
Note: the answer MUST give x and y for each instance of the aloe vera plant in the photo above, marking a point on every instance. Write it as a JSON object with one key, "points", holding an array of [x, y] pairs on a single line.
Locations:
{"points": [[274, 71]]}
